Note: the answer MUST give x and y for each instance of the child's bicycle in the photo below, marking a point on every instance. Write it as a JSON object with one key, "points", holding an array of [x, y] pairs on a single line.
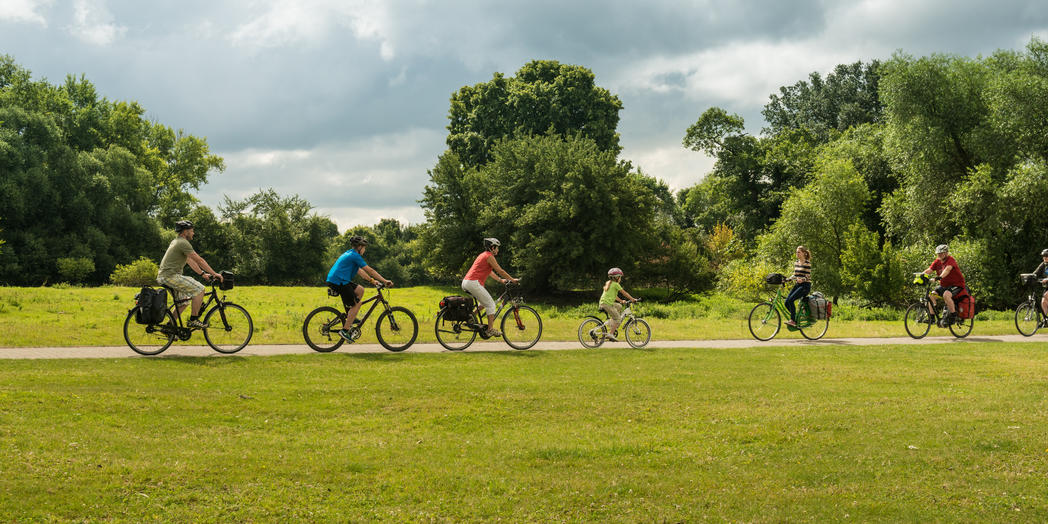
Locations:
{"points": [[765, 319], [457, 327], [593, 331], [396, 327], [1028, 316], [918, 320]]}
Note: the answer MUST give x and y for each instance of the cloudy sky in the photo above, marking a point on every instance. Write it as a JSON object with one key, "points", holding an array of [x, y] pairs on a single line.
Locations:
{"points": [[344, 102]]}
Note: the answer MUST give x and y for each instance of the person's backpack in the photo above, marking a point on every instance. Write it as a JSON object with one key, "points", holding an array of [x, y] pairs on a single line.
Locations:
{"points": [[152, 305], [819, 306], [457, 308]]}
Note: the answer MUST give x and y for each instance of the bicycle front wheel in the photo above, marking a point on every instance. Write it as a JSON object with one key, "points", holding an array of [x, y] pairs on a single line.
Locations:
{"points": [[1027, 320], [229, 328], [764, 321], [638, 333], [917, 320], [396, 329], [452, 334], [521, 327], [962, 327], [321, 329], [149, 339], [592, 332]]}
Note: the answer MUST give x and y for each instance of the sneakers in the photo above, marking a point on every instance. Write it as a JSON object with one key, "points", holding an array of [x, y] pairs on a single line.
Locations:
{"points": [[611, 337], [494, 333], [196, 324], [346, 335]]}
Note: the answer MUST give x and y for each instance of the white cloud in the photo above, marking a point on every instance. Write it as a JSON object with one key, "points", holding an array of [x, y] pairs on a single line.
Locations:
{"points": [[24, 11], [676, 166], [93, 23], [311, 22]]}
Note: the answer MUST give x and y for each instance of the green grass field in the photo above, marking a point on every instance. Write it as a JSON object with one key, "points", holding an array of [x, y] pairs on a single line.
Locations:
{"points": [[889, 433], [72, 316]]}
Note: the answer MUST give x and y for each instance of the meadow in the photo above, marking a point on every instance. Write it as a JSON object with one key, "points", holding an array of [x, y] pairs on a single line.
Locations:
{"points": [[94, 316], [821, 433]]}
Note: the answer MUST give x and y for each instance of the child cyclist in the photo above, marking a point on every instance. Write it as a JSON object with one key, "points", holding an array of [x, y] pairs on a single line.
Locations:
{"points": [[610, 302]]}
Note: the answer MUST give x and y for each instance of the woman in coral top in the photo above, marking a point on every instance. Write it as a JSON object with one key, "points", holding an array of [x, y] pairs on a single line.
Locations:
{"points": [[473, 283]]}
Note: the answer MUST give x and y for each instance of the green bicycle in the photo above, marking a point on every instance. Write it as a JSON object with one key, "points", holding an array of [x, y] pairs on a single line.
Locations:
{"points": [[765, 319]]}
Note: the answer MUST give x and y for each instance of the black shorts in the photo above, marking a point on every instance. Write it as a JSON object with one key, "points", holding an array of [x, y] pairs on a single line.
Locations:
{"points": [[954, 290], [348, 292]]}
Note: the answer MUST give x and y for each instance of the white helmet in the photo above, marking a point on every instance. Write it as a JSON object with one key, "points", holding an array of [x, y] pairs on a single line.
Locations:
{"points": [[491, 243], [941, 248]]}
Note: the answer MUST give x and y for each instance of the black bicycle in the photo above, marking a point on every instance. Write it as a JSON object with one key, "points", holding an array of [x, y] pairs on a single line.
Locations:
{"points": [[396, 327], [1028, 316], [521, 325], [920, 316], [229, 326]]}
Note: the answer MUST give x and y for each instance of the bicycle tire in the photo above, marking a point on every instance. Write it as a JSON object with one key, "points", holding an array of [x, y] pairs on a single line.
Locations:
{"points": [[525, 330], [763, 314], [455, 336], [320, 329], [398, 321], [816, 328], [161, 341], [225, 332], [592, 332], [962, 327], [638, 332], [1027, 319], [916, 321]]}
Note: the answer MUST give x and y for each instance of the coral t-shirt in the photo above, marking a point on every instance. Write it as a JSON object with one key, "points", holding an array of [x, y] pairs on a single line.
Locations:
{"points": [[481, 268]]}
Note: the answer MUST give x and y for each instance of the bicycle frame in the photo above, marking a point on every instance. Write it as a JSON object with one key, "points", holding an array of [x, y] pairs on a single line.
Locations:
{"points": [[779, 303], [376, 299], [182, 331], [480, 324]]}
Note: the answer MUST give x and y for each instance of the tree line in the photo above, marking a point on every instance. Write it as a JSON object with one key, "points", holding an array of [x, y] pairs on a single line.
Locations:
{"points": [[870, 166]]}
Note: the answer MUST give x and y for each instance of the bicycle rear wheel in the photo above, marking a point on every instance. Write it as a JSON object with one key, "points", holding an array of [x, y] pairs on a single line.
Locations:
{"points": [[638, 333], [592, 332], [918, 321], [452, 334], [149, 339], [396, 329], [813, 328], [521, 327], [962, 327], [321, 329], [764, 321], [229, 328], [1027, 320]]}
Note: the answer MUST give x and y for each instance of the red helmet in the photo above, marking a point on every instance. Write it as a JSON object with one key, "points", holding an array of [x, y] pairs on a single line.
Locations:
{"points": [[614, 272]]}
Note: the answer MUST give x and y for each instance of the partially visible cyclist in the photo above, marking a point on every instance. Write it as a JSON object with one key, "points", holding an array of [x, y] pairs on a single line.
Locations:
{"points": [[473, 282], [180, 253], [1042, 276], [610, 302], [340, 279], [951, 281], [801, 283]]}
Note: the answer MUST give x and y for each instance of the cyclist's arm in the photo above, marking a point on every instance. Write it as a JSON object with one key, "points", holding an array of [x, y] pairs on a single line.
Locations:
{"points": [[946, 271], [366, 270], [201, 264], [630, 297], [498, 269]]}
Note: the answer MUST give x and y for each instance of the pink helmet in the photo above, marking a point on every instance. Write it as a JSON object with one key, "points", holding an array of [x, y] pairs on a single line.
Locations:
{"points": [[614, 272]]}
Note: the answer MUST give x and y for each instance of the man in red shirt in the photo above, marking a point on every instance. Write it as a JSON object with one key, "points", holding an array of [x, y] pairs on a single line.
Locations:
{"points": [[951, 280]]}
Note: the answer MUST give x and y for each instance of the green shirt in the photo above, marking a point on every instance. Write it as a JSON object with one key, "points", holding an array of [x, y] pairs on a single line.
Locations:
{"points": [[175, 258], [611, 294]]}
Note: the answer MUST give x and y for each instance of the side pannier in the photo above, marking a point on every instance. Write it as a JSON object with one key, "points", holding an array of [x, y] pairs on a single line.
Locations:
{"points": [[152, 304], [819, 306], [965, 304], [457, 308]]}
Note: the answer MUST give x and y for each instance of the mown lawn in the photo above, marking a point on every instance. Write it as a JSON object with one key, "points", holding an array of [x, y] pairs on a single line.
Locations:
{"points": [[71, 316], [771, 434]]}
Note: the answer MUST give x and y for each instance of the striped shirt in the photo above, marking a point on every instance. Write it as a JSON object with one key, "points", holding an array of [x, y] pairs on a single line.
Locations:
{"points": [[802, 270]]}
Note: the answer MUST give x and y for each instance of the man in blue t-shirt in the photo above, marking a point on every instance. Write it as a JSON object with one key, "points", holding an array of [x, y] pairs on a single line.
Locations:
{"points": [[340, 278]]}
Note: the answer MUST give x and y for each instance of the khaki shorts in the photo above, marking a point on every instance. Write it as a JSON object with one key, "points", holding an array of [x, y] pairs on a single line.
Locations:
{"points": [[614, 311], [185, 287]]}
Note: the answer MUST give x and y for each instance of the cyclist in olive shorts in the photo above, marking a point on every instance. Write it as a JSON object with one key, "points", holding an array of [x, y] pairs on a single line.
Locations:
{"points": [[180, 253]]}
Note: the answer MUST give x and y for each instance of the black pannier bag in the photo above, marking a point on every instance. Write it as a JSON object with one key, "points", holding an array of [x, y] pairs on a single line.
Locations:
{"points": [[227, 280], [775, 279], [1027, 278], [457, 308], [152, 304]]}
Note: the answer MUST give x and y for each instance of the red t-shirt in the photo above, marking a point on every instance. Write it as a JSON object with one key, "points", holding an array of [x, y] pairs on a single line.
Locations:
{"points": [[481, 268], [955, 278]]}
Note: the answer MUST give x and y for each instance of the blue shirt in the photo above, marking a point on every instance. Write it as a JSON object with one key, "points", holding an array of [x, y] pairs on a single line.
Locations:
{"points": [[346, 267]]}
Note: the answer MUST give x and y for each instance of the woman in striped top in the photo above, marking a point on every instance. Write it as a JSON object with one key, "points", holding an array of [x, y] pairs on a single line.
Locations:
{"points": [[801, 282]]}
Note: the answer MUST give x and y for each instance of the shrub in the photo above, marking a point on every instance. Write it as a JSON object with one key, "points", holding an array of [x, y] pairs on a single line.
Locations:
{"points": [[75, 269], [141, 272]]}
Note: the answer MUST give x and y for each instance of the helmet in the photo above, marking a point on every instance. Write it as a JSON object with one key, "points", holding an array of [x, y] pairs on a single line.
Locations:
{"points": [[357, 240], [614, 272], [183, 225], [491, 243], [941, 248], [1044, 253]]}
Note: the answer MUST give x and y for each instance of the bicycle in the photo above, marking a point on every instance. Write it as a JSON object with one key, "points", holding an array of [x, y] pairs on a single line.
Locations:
{"points": [[765, 319], [593, 331], [920, 316], [228, 326], [396, 327], [521, 325], [1028, 316]]}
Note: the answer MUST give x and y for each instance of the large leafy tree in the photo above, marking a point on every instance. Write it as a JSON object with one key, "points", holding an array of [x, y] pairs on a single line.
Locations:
{"points": [[847, 97]]}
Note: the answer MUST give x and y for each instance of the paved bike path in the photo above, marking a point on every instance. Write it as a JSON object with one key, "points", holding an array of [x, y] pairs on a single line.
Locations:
{"points": [[293, 349]]}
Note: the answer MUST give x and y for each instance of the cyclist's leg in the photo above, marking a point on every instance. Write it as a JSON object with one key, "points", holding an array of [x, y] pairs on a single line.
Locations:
{"points": [[614, 312], [351, 294], [185, 288], [476, 289], [947, 297], [1044, 303], [798, 291]]}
